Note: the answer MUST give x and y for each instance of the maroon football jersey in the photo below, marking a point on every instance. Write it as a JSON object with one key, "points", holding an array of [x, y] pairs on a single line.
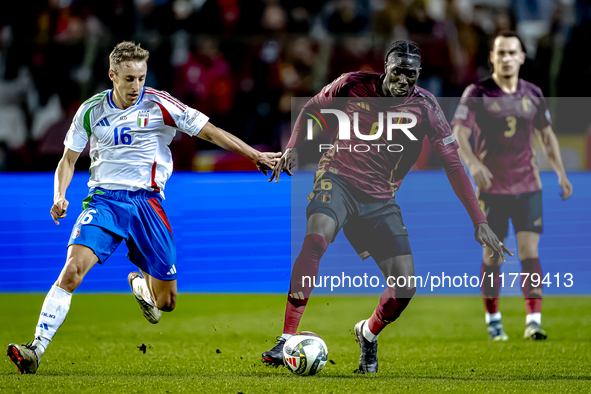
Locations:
{"points": [[379, 170], [503, 127]]}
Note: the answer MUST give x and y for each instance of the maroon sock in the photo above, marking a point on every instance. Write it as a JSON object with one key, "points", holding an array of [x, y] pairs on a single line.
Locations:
{"points": [[532, 294], [389, 308], [491, 291], [306, 264]]}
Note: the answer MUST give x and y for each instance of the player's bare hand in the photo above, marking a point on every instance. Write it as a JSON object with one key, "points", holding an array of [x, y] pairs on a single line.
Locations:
{"points": [[266, 161], [485, 237], [567, 188], [482, 175], [285, 164], [58, 210]]}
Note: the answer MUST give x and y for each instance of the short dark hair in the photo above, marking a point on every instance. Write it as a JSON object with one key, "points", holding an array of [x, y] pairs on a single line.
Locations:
{"points": [[508, 34], [404, 48]]}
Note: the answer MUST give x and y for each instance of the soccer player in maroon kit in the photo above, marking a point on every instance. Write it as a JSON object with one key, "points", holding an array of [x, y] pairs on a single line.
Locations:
{"points": [[355, 190], [503, 112]]}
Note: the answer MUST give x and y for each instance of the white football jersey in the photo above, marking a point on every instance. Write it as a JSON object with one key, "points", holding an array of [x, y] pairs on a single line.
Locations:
{"points": [[129, 147]]}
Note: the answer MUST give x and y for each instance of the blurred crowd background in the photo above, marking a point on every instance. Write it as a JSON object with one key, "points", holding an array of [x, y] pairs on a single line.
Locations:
{"points": [[241, 61]]}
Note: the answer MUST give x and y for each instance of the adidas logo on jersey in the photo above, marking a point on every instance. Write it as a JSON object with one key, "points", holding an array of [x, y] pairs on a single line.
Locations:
{"points": [[103, 122], [172, 271]]}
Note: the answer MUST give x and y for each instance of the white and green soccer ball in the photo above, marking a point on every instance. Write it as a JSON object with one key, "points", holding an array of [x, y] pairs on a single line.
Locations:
{"points": [[305, 353]]}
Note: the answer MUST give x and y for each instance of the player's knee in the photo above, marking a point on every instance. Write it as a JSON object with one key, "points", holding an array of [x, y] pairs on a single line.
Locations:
{"points": [[406, 292], [527, 252], [491, 261], [322, 225], [70, 277]]}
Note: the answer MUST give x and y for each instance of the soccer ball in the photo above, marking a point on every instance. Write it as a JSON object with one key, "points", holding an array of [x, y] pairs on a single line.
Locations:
{"points": [[305, 353]]}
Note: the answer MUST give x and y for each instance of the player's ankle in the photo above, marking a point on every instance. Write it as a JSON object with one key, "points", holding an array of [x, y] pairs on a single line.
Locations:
{"points": [[492, 317], [533, 318], [286, 336], [367, 334], [40, 346]]}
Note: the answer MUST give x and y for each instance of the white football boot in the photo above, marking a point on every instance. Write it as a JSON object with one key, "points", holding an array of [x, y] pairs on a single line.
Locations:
{"points": [[141, 293]]}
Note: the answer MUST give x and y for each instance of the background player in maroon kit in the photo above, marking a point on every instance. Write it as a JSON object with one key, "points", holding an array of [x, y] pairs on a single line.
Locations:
{"points": [[355, 190], [503, 113]]}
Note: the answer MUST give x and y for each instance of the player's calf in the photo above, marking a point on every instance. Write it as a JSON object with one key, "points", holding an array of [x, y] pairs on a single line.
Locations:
{"points": [[306, 265], [392, 303], [162, 292], [532, 290], [165, 302]]}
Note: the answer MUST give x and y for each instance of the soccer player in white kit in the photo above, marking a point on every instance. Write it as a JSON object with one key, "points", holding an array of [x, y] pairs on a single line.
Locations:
{"points": [[129, 128]]}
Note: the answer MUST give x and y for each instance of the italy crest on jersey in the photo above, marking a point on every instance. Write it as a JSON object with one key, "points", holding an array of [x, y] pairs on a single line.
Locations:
{"points": [[142, 118]]}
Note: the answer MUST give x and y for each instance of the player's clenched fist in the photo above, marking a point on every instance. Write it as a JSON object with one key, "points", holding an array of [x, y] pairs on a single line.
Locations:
{"points": [[567, 188], [58, 210]]}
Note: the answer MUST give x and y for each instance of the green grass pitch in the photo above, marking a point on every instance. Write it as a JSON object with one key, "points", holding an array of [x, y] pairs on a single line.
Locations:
{"points": [[213, 343]]}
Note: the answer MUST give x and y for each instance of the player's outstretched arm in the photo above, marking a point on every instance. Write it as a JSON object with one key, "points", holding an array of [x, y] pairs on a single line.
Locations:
{"points": [[463, 189], [480, 173], [285, 164], [63, 177], [264, 161], [553, 151]]}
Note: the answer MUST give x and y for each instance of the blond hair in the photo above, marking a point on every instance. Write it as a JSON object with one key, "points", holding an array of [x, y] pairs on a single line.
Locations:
{"points": [[127, 51]]}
